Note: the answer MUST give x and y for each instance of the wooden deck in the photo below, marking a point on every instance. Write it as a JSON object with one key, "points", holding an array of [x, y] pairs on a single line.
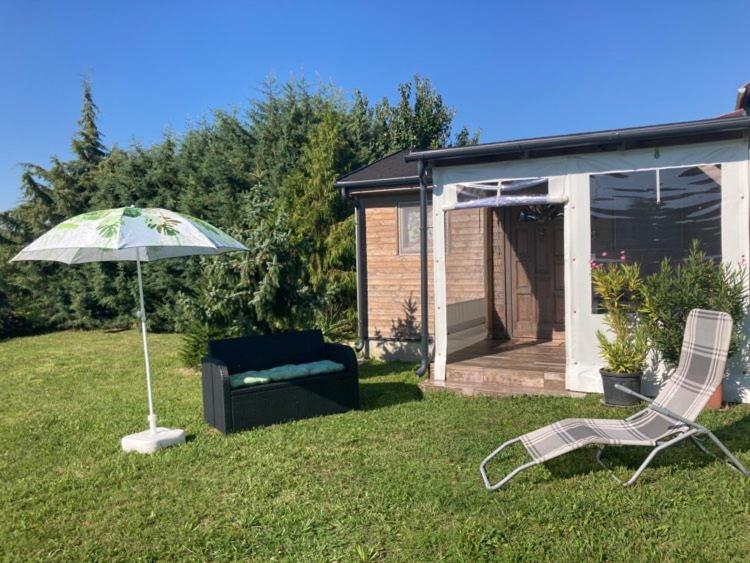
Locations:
{"points": [[510, 367]]}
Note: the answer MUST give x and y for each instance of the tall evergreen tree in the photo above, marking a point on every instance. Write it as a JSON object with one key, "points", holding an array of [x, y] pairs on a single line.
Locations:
{"points": [[87, 142], [267, 176], [316, 207]]}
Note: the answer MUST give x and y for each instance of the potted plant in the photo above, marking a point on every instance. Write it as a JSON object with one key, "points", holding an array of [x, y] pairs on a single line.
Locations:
{"points": [[697, 282], [619, 287]]}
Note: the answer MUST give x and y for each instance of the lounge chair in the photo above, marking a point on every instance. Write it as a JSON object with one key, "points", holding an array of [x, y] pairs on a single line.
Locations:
{"points": [[666, 421]]}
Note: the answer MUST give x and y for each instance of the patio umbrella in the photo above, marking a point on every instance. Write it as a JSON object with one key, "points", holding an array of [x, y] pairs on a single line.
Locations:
{"points": [[136, 235]]}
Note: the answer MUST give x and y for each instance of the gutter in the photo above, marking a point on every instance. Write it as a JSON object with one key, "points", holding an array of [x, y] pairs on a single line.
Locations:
{"points": [[361, 269], [615, 136], [424, 366], [376, 183]]}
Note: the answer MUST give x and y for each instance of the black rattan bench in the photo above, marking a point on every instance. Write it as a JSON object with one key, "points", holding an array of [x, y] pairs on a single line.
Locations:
{"points": [[230, 410]]}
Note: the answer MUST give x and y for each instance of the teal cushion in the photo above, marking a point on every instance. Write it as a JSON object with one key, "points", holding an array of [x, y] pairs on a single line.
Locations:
{"points": [[246, 378], [282, 373]]}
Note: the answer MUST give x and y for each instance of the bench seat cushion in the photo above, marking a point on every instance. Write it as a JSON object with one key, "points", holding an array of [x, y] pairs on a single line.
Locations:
{"points": [[282, 373]]}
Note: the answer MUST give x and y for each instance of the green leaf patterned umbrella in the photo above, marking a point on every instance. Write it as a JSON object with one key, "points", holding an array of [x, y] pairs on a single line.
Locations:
{"points": [[128, 233], [137, 235]]}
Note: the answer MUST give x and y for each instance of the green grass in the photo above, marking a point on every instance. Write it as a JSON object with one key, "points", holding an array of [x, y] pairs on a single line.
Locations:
{"points": [[395, 481]]}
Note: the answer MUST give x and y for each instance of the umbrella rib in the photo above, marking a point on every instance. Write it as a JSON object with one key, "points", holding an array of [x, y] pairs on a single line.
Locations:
{"points": [[119, 229], [199, 229]]}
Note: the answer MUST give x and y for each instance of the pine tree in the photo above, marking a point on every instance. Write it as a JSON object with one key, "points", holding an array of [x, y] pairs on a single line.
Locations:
{"points": [[267, 176], [87, 143], [360, 134], [464, 138]]}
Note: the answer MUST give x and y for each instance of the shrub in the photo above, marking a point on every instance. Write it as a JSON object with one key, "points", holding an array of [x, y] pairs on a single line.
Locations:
{"points": [[336, 323], [698, 282], [11, 324], [245, 293], [620, 288], [195, 343]]}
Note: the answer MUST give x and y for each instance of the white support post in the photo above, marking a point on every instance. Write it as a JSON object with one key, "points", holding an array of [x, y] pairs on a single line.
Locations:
{"points": [[440, 293]]}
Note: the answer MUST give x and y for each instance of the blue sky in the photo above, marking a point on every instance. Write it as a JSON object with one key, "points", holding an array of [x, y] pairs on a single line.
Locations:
{"points": [[511, 69]]}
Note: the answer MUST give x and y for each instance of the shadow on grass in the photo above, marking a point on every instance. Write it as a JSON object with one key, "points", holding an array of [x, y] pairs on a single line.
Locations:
{"points": [[383, 369], [735, 436], [378, 395], [399, 384]]}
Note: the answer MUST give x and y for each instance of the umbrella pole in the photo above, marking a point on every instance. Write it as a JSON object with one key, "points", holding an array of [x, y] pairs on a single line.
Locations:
{"points": [[153, 439], [151, 414]]}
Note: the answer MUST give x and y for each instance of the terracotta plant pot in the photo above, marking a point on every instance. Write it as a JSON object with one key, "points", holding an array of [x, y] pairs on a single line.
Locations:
{"points": [[616, 398], [716, 399]]}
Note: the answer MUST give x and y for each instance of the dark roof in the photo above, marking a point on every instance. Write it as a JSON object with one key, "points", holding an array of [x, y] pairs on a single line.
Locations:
{"points": [[634, 137], [391, 170]]}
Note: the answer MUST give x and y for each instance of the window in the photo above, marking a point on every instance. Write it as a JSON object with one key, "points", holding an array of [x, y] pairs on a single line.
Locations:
{"points": [[408, 227], [645, 216]]}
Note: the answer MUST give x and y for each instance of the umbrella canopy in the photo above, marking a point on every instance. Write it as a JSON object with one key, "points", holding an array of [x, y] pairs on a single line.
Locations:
{"points": [[130, 234]]}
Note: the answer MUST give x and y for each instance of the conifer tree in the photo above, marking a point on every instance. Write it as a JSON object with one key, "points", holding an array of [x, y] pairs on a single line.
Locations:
{"points": [[87, 143], [267, 176]]}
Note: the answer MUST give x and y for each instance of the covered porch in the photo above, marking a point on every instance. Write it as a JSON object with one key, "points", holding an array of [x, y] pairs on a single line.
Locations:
{"points": [[517, 343], [506, 367]]}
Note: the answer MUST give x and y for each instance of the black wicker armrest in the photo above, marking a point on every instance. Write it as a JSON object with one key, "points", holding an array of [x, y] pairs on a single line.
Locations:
{"points": [[216, 390], [215, 368], [342, 354]]}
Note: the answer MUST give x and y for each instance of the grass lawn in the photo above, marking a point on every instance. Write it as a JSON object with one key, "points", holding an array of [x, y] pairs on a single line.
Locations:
{"points": [[396, 481]]}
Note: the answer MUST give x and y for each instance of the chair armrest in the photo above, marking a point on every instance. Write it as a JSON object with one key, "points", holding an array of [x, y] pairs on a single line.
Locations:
{"points": [[342, 354], [214, 367], [217, 408], [677, 418], [662, 410], [631, 392]]}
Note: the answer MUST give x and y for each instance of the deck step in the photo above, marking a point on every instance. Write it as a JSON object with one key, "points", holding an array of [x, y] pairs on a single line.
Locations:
{"points": [[507, 377], [478, 388], [507, 367]]}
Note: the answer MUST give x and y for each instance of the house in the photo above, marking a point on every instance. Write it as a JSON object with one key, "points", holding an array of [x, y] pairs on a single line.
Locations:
{"points": [[499, 296], [386, 198]]}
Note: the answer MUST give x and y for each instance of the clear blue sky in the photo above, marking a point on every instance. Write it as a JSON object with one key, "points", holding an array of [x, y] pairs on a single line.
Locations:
{"points": [[513, 69]]}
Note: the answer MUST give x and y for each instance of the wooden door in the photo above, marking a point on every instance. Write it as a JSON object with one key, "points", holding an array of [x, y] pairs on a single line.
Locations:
{"points": [[536, 292]]}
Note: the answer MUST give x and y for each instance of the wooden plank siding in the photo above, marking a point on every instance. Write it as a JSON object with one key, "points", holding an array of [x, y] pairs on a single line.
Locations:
{"points": [[393, 281]]}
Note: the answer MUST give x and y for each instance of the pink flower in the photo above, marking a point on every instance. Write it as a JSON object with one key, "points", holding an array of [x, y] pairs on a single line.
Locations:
{"points": [[604, 253]]}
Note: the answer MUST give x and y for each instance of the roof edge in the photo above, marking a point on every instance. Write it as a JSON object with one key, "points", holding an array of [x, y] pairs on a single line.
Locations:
{"points": [[376, 182], [365, 166], [650, 132]]}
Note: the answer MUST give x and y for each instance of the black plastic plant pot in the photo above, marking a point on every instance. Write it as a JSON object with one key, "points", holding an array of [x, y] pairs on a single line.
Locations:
{"points": [[614, 397]]}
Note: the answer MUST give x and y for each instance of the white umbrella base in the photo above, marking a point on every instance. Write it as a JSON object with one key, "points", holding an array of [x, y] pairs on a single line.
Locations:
{"points": [[148, 442]]}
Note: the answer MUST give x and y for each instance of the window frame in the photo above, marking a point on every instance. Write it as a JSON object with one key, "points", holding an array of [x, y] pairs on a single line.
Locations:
{"points": [[658, 171]]}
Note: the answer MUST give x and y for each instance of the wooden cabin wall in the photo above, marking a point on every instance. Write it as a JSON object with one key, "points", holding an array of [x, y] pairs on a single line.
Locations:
{"points": [[393, 283]]}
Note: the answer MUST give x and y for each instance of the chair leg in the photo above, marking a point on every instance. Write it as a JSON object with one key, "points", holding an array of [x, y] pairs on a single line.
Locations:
{"points": [[483, 467], [734, 463], [701, 447], [655, 451], [600, 461]]}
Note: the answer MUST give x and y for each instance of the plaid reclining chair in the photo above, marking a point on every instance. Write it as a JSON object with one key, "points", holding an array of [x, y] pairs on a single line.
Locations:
{"points": [[667, 420]]}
